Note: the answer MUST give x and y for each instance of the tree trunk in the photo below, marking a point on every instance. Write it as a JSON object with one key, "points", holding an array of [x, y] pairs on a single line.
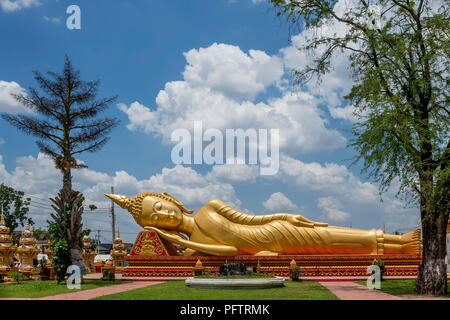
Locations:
{"points": [[67, 179], [432, 277]]}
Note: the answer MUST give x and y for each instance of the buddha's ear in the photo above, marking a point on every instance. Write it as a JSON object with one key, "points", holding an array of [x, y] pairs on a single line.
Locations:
{"points": [[177, 202]]}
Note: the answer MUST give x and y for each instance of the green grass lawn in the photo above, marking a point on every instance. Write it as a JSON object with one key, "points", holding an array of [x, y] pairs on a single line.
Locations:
{"points": [[37, 288], [398, 287], [177, 290]]}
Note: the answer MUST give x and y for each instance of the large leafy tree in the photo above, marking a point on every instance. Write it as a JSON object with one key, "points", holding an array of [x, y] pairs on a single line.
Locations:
{"points": [[15, 207], [66, 121], [399, 54]]}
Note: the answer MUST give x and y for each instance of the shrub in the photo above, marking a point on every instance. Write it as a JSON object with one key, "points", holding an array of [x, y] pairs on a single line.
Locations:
{"points": [[380, 264], [61, 259], [18, 277], [295, 273]]}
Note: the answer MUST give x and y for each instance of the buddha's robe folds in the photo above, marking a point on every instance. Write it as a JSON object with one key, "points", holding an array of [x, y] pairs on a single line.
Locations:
{"points": [[218, 223]]}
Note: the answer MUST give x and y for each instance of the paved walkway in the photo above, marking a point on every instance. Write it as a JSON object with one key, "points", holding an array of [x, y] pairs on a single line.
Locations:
{"points": [[98, 292], [352, 291]]}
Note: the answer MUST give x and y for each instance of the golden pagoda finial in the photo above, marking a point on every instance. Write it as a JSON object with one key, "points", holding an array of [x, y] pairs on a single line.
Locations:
{"points": [[27, 225], [118, 233]]}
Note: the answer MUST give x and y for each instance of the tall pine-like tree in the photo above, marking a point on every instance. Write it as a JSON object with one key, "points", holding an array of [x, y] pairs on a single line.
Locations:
{"points": [[66, 121]]}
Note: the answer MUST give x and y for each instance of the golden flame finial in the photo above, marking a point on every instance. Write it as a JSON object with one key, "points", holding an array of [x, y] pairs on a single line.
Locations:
{"points": [[27, 225], [293, 264], [2, 221], [118, 233]]}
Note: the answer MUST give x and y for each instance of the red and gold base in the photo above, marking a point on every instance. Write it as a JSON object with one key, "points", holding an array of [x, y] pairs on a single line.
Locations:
{"points": [[156, 258]]}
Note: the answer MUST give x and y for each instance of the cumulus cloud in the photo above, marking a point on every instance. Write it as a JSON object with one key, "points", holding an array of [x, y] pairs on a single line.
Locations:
{"points": [[331, 209], [228, 70], [330, 178], [279, 202], [234, 173], [7, 102], [16, 5], [297, 116]]}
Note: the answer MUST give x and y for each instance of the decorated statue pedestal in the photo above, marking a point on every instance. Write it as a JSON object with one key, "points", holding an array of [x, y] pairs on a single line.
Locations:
{"points": [[151, 257]]}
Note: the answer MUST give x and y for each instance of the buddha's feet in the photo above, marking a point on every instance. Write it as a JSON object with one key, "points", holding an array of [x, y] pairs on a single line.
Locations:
{"points": [[411, 242]]}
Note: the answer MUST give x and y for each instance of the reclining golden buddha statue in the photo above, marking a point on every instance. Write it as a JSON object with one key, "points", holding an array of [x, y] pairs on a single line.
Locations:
{"points": [[218, 229]]}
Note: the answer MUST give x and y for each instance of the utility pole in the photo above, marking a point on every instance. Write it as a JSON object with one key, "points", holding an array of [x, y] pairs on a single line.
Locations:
{"points": [[113, 217], [98, 241]]}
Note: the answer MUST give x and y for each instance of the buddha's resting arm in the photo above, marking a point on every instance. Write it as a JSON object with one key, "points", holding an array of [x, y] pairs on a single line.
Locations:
{"points": [[173, 236], [249, 219]]}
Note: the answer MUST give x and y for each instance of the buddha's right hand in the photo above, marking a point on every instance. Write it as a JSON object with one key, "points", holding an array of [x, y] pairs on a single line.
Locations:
{"points": [[300, 221]]}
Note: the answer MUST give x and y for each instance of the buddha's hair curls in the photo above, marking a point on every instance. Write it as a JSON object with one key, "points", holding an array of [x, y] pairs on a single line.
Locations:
{"points": [[134, 204]]}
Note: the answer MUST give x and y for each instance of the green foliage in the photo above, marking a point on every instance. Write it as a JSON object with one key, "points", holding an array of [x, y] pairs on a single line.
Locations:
{"points": [[18, 277], [400, 96], [93, 207], [177, 290], [61, 259], [15, 207], [295, 273], [380, 264]]}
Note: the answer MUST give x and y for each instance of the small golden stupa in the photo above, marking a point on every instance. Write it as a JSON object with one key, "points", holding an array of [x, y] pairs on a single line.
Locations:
{"points": [[118, 252], [7, 248], [88, 253], [27, 251]]}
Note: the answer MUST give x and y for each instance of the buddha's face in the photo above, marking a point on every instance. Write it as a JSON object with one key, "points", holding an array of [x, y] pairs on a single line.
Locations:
{"points": [[160, 213]]}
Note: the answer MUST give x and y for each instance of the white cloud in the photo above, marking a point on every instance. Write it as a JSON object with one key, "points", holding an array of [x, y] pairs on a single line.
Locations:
{"points": [[228, 70], [7, 102], [330, 178], [301, 123], [54, 20], [236, 173], [2, 141], [279, 202], [331, 208], [16, 5]]}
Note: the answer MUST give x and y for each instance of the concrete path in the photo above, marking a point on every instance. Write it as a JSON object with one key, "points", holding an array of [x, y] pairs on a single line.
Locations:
{"points": [[98, 292], [345, 290], [94, 293]]}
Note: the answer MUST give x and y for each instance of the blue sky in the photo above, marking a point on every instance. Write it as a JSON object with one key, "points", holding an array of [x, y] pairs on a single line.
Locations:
{"points": [[224, 62]]}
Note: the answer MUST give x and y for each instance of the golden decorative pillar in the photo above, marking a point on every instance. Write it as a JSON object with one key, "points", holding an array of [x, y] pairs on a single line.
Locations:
{"points": [[7, 248], [88, 254], [198, 269], [27, 251], [118, 253], [49, 252]]}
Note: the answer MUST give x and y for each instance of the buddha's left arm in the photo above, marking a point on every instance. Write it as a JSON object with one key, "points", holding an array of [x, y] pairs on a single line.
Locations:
{"points": [[249, 219]]}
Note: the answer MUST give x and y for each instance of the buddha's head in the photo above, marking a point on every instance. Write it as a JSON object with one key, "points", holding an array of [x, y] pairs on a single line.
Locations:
{"points": [[160, 210]]}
